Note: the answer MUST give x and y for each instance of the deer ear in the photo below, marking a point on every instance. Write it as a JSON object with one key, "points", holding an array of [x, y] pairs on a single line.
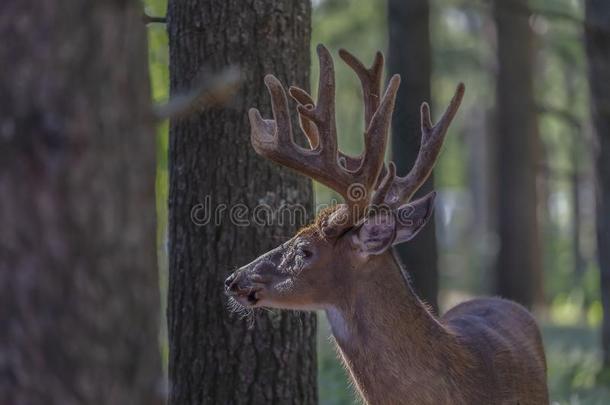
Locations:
{"points": [[376, 233], [412, 217]]}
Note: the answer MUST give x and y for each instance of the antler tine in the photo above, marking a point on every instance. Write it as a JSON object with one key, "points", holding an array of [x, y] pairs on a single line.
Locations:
{"points": [[376, 135], [271, 135], [385, 182], [323, 113], [431, 143], [370, 80], [307, 125], [311, 131]]}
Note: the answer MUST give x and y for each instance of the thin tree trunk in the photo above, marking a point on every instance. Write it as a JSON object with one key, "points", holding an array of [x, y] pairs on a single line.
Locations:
{"points": [[409, 55], [519, 273], [597, 36], [215, 357], [576, 140], [579, 261], [79, 301]]}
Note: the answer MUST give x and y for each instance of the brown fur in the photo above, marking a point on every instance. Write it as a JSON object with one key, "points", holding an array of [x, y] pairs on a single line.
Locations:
{"points": [[315, 228], [484, 351]]}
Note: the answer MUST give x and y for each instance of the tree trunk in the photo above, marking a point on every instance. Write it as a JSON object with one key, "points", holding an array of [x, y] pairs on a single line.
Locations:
{"points": [[519, 273], [215, 357], [597, 36], [575, 185], [79, 301], [409, 54]]}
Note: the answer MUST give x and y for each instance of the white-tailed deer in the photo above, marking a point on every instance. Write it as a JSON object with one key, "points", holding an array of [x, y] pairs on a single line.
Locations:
{"points": [[484, 351]]}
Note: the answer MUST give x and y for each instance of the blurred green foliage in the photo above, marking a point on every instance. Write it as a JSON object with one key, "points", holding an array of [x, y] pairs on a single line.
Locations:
{"points": [[573, 361], [463, 39]]}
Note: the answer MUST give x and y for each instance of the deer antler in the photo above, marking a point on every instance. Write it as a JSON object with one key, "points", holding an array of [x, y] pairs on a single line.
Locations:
{"points": [[402, 189], [352, 178], [370, 79], [361, 180]]}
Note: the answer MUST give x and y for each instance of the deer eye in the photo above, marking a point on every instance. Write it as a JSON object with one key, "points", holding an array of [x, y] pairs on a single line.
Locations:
{"points": [[305, 252]]}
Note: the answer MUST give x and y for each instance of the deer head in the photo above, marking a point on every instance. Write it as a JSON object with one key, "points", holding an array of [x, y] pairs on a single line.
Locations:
{"points": [[347, 241]]}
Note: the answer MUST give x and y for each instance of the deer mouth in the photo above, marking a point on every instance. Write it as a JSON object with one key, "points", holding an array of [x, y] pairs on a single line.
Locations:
{"points": [[247, 298]]}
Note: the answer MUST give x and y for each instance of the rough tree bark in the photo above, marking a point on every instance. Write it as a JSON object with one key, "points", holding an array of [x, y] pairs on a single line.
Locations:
{"points": [[215, 358], [518, 266], [409, 54], [78, 277], [597, 35]]}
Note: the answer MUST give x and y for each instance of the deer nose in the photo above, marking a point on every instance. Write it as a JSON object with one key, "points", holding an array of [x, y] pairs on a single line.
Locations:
{"points": [[230, 282]]}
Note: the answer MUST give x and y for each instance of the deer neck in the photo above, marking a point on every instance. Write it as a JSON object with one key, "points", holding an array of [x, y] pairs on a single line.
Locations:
{"points": [[395, 350]]}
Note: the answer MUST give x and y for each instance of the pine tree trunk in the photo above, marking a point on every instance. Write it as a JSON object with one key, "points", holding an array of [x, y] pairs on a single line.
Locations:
{"points": [[409, 55], [79, 302], [597, 35], [215, 357], [519, 273]]}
